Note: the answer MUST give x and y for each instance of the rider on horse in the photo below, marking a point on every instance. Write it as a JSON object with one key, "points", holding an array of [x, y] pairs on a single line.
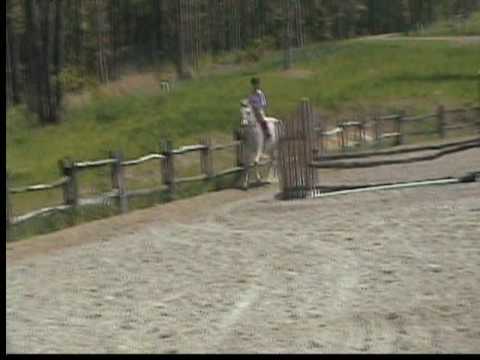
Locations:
{"points": [[258, 102]]}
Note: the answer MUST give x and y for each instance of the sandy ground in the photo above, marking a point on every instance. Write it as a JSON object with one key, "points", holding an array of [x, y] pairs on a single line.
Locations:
{"points": [[378, 272], [455, 165]]}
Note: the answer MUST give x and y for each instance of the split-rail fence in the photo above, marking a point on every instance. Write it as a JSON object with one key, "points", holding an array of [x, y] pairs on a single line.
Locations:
{"points": [[120, 194]]}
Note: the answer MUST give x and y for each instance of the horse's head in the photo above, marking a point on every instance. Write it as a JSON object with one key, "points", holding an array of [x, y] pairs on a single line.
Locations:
{"points": [[248, 118]]}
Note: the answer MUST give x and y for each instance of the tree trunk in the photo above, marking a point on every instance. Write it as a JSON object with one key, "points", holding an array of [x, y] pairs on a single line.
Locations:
{"points": [[59, 59], [8, 71], [34, 81], [288, 34], [11, 54], [102, 39], [180, 25], [45, 34]]}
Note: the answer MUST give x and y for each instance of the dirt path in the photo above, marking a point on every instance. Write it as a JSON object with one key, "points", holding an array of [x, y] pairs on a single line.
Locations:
{"points": [[399, 37], [392, 271]]}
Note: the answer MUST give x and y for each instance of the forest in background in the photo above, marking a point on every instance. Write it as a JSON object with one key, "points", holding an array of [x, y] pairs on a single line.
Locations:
{"points": [[55, 46]]}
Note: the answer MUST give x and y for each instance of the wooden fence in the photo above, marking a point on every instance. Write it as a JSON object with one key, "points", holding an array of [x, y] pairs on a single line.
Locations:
{"points": [[70, 171], [303, 141], [394, 127], [302, 149]]}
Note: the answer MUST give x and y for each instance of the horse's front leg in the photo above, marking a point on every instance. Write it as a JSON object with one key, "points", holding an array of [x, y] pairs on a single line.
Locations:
{"points": [[272, 169], [258, 176], [256, 165], [246, 177]]}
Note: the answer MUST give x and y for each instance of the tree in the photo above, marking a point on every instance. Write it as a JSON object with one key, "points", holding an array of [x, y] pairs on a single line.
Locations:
{"points": [[12, 90], [289, 21], [45, 28], [102, 37]]}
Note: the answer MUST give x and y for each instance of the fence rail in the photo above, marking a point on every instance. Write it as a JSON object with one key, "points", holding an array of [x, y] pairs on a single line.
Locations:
{"points": [[397, 131], [396, 151], [94, 164], [419, 118], [143, 160], [40, 212], [302, 154], [69, 181], [40, 187], [374, 163], [226, 146], [69, 169]]}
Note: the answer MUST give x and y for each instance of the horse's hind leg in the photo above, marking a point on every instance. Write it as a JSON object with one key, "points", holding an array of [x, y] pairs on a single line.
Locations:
{"points": [[245, 178], [258, 177], [267, 174]]}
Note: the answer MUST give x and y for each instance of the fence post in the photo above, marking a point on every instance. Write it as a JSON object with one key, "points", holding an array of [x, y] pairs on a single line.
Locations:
{"points": [[64, 173], [308, 136], [322, 129], [358, 133], [441, 121], [70, 190], [169, 167], [206, 158], [363, 132], [8, 210], [341, 137], [118, 180], [163, 167], [399, 127], [478, 88], [240, 155], [477, 111], [282, 158], [378, 131]]}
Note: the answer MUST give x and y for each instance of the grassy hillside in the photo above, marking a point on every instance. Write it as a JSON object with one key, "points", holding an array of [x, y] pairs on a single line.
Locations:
{"points": [[337, 77], [340, 78]]}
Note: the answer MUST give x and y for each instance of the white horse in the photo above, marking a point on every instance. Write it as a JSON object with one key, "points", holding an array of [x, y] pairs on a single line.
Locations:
{"points": [[256, 146]]}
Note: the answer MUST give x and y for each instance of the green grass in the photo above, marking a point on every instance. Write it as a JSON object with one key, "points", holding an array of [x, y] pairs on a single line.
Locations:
{"points": [[339, 78], [469, 27]]}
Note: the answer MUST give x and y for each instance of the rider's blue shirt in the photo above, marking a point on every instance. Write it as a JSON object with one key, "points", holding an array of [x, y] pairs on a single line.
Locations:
{"points": [[258, 100]]}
